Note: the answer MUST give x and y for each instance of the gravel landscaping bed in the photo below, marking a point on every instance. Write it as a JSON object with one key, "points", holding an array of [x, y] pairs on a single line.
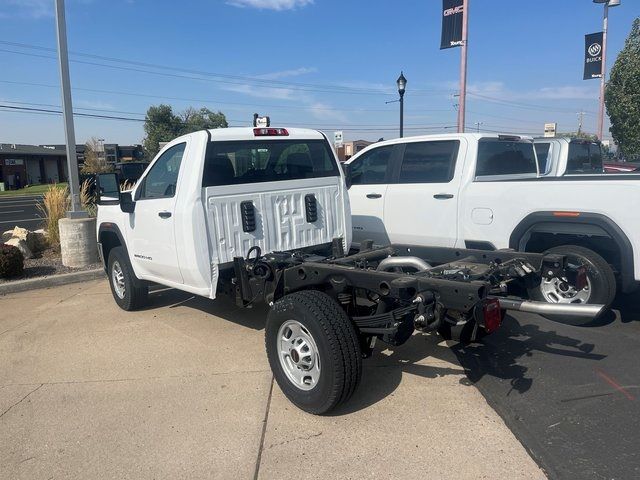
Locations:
{"points": [[47, 264]]}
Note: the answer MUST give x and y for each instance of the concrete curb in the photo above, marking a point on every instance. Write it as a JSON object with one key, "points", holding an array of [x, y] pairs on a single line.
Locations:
{"points": [[52, 281]]}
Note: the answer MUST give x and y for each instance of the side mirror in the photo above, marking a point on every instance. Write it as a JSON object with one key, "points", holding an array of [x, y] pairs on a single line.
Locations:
{"points": [[127, 205], [108, 189], [109, 193], [346, 168]]}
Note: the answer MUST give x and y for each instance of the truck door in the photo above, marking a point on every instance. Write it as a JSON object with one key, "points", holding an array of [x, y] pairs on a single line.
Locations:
{"points": [[151, 238], [421, 204], [370, 174]]}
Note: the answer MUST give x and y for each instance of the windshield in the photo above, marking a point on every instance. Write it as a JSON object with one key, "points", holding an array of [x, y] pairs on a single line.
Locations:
{"points": [[500, 157], [256, 161], [584, 157]]}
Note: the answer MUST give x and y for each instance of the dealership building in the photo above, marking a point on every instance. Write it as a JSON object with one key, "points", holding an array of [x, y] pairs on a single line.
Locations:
{"points": [[22, 165]]}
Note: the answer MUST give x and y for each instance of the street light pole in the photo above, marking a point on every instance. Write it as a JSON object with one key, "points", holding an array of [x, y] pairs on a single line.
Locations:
{"points": [[463, 67], [402, 84], [605, 26], [67, 112]]}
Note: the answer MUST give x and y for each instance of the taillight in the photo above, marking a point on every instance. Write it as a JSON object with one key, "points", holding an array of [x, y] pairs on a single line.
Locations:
{"points": [[270, 132], [491, 314]]}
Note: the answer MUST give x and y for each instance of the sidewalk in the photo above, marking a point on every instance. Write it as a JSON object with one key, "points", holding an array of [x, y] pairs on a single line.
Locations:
{"points": [[183, 390]]}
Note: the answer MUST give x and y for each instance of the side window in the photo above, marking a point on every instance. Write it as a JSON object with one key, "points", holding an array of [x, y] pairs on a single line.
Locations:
{"points": [[371, 168], [429, 162], [542, 152], [161, 180], [499, 157]]}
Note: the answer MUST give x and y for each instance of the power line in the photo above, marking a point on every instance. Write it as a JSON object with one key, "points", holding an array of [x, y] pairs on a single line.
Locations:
{"points": [[529, 106], [245, 78]]}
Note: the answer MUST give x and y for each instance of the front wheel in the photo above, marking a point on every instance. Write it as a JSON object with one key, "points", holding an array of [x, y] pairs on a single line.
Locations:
{"points": [[313, 351], [128, 292], [600, 285]]}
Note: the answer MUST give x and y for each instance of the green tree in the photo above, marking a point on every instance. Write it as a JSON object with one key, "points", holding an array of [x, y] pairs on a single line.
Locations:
{"points": [[622, 95], [94, 158], [162, 125]]}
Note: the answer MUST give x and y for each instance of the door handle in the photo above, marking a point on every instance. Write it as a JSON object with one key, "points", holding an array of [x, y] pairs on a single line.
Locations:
{"points": [[443, 196], [374, 195], [164, 214]]}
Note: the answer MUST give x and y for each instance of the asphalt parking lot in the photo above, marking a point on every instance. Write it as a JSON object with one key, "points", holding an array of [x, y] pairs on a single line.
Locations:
{"points": [[183, 390], [570, 394], [20, 210]]}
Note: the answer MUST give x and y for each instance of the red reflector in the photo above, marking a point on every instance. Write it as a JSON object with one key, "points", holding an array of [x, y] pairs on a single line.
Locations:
{"points": [[492, 314], [566, 214], [270, 132]]}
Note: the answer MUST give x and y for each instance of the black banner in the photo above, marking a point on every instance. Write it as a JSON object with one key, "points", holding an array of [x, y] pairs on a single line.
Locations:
{"points": [[451, 23], [593, 56]]}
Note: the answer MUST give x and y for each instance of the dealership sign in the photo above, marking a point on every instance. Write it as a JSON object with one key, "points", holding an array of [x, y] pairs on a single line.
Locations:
{"points": [[452, 12], [592, 56]]}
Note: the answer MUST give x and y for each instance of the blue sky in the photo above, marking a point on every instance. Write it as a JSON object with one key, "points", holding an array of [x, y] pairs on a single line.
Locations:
{"points": [[325, 64]]}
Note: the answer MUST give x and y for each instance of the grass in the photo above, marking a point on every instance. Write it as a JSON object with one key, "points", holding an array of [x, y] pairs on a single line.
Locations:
{"points": [[32, 190]]}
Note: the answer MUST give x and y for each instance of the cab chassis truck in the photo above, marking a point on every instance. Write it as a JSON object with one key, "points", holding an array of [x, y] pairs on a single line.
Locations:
{"points": [[262, 215]]}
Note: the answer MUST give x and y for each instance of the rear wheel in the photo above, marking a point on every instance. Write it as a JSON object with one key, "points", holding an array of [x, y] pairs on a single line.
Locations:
{"points": [[128, 292], [313, 351], [600, 285]]}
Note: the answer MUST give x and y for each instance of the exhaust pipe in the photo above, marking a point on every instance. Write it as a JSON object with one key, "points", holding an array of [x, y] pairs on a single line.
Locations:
{"points": [[543, 308], [413, 262]]}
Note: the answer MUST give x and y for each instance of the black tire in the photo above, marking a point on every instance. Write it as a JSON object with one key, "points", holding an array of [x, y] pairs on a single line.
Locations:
{"points": [[338, 349], [599, 273], [136, 293]]}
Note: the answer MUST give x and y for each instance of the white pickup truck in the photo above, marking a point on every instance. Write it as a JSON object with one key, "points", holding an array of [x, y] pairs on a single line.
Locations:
{"points": [[559, 156], [262, 214], [485, 191]]}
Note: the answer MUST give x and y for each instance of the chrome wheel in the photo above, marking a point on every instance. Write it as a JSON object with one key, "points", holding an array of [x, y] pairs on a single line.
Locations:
{"points": [[117, 279], [298, 354], [558, 290]]}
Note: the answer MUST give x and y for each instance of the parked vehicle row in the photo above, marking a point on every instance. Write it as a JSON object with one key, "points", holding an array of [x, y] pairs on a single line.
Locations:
{"points": [[262, 214], [484, 191]]}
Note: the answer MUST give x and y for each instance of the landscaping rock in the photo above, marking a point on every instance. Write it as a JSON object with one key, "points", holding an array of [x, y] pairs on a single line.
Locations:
{"points": [[36, 241], [21, 245], [6, 235]]}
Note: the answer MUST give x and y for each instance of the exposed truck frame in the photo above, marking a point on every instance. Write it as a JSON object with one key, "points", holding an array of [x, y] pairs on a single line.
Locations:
{"points": [[200, 220]]}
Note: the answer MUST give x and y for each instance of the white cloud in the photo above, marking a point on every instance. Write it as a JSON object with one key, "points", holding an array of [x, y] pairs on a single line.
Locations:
{"points": [[278, 5], [498, 90], [325, 112], [26, 8], [287, 73]]}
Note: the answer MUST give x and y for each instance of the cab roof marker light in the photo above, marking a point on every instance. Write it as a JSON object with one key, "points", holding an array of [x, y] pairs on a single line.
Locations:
{"points": [[270, 132], [566, 214]]}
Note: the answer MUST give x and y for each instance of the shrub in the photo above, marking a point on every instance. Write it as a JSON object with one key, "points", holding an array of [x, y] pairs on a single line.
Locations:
{"points": [[87, 197], [54, 206], [11, 261]]}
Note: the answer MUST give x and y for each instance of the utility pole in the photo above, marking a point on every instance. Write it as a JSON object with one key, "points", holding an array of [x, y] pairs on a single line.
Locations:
{"points": [[67, 113], [580, 120], [463, 66], [477, 124], [605, 27]]}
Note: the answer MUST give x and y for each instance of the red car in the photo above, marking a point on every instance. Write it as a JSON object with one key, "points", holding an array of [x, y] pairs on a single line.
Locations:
{"points": [[621, 167]]}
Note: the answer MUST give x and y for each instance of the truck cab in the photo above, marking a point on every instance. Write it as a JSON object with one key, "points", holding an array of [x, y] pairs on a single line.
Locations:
{"points": [[212, 195]]}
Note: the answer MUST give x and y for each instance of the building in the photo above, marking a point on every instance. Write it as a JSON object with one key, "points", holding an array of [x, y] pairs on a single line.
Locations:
{"points": [[349, 149], [22, 165], [113, 153]]}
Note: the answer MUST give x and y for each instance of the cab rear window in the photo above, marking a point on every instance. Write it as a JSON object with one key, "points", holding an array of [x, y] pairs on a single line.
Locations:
{"points": [[257, 161], [584, 157], [503, 157]]}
